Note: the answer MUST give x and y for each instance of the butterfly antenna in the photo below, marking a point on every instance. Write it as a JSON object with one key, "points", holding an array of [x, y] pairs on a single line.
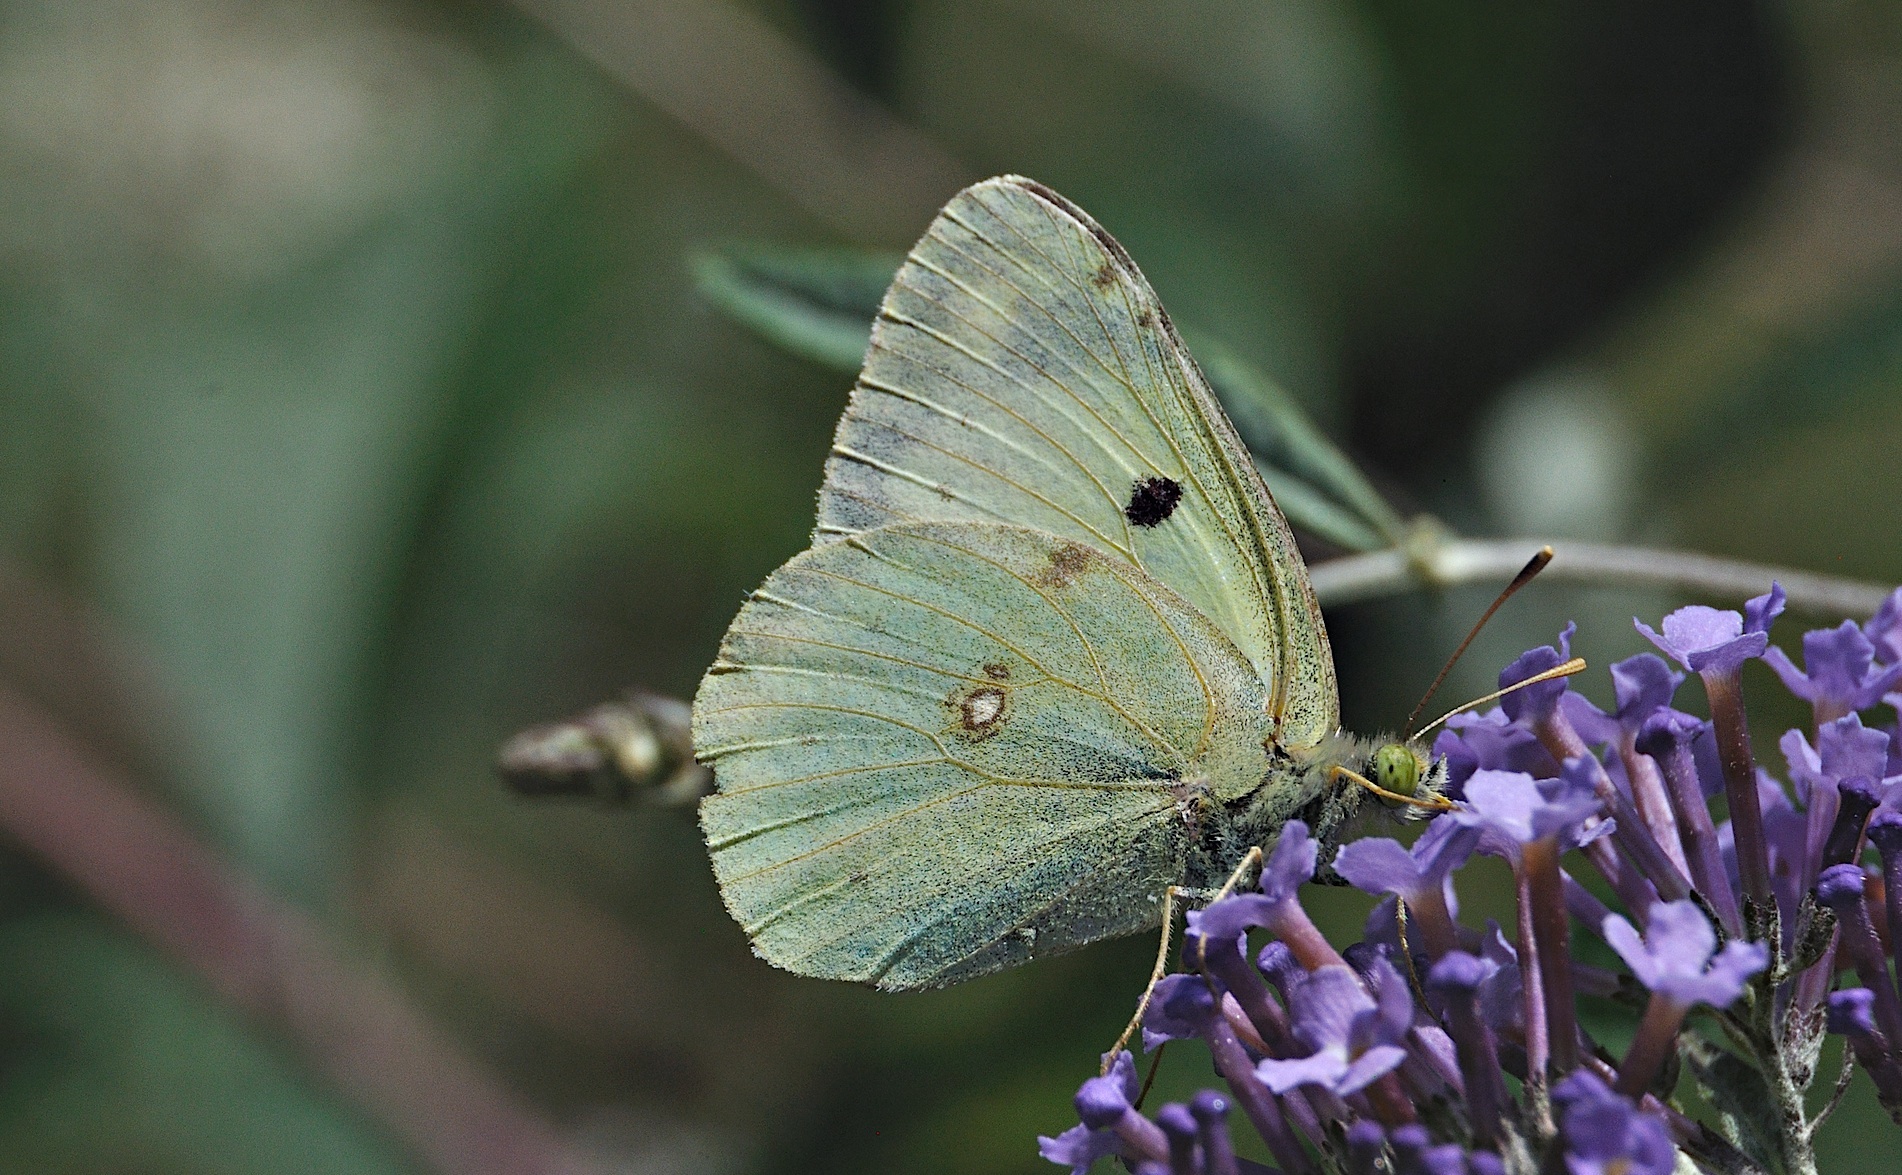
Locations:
{"points": [[1533, 566], [1567, 669]]}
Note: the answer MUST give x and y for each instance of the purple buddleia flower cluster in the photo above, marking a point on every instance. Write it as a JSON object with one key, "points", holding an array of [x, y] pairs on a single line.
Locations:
{"points": [[1434, 1047]]}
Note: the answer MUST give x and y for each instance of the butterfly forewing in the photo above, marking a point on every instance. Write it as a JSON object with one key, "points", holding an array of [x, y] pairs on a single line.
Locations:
{"points": [[1022, 371], [942, 748]]}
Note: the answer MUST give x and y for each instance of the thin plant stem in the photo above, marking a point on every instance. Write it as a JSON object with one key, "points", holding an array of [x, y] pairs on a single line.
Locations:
{"points": [[1450, 562]]}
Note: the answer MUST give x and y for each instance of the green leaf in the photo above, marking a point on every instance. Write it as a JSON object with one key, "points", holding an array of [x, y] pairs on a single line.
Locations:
{"points": [[1745, 1109], [1274, 426], [1310, 510], [816, 303]]}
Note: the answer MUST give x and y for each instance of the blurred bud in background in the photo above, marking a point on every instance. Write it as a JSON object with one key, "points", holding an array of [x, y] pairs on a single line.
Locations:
{"points": [[1556, 456]]}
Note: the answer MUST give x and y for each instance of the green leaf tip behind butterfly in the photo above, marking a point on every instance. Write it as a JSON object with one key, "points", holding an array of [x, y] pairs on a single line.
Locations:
{"points": [[1333, 499], [816, 303], [820, 303]]}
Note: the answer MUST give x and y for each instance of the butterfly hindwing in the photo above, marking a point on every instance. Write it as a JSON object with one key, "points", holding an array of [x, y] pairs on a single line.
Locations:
{"points": [[1021, 370], [942, 748]]}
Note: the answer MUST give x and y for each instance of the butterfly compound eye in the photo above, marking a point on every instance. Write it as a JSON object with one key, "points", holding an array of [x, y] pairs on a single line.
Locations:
{"points": [[1397, 769]]}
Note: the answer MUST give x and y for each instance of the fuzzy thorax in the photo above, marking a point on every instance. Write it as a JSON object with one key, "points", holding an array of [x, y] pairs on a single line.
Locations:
{"points": [[1308, 787]]}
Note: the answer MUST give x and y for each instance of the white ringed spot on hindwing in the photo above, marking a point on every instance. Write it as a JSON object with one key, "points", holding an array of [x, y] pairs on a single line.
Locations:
{"points": [[979, 710]]}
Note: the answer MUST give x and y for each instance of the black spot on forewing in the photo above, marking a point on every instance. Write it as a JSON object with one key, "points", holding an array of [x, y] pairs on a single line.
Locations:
{"points": [[997, 671], [1152, 500], [1104, 277], [1145, 319]]}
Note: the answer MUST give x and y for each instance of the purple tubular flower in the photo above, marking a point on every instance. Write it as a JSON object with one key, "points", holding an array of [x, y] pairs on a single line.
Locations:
{"points": [[1353, 1042], [1845, 749], [1528, 705], [1179, 1009], [1511, 809], [1455, 980], [1678, 960], [1110, 1126], [1667, 736], [1078, 1148], [1290, 865], [1841, 889], [1182, 1006], [1856, 799], [1443, 1160], [1708, 640], [1365, 1142], [1884, 629], [1606, 1135], [1529, 822], [1786, 845], [1501, 995], [1852, 1014], [1180, 1127], [1539, 710], [1486, 1163], [1420, 876], [1337, 1058], [1103, 1100], [1275, 908], [1210, 1110], [1760, 612], [1409, 1143], [1839, 674], [1415, 1154], [1677, 957], [1642, 685], [1278, 964], [1489, 741], [1885, 833], [1222, 959], [1714, 645]]}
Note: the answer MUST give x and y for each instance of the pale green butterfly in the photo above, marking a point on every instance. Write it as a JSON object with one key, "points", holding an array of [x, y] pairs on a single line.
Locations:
{"points": [[1053, 650]]}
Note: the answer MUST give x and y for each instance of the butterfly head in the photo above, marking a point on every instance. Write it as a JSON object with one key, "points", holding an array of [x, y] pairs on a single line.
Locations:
{"points": [[1407, 779]]}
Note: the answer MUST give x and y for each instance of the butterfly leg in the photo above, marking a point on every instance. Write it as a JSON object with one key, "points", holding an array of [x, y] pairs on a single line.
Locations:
{"points": [[1170, 896], [1250, 860], [1155, 975]]}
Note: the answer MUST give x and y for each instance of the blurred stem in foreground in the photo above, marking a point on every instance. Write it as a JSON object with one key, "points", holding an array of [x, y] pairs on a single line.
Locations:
{"points": [[88, 821]]}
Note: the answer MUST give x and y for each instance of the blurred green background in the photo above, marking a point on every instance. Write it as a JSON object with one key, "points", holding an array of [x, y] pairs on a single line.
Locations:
{"points": [[357, 409]]}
